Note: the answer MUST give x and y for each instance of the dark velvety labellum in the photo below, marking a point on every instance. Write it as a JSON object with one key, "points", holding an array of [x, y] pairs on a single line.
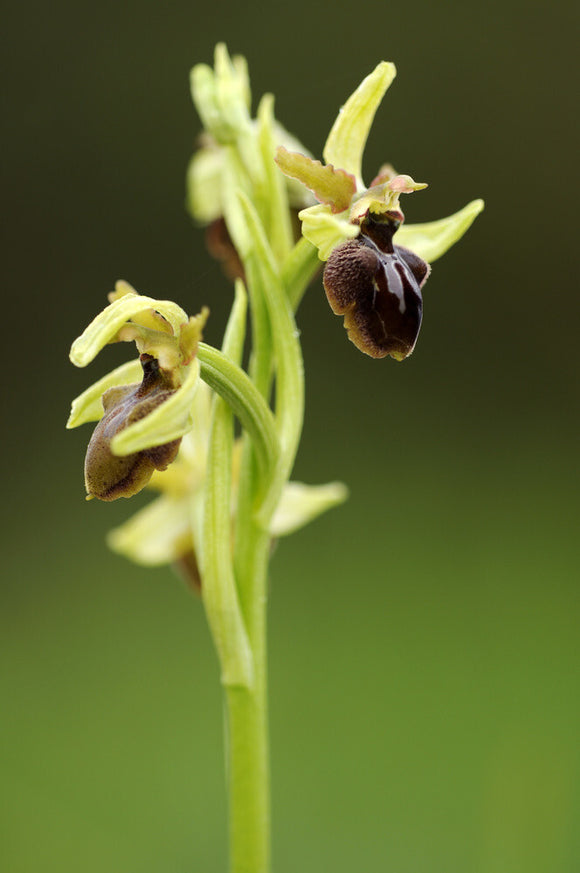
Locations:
{"points": [[376, 286], [109, 476]]}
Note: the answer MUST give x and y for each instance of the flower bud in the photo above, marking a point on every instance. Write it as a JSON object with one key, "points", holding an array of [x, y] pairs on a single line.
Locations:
{"points": [[376, 286], [109, 476]]}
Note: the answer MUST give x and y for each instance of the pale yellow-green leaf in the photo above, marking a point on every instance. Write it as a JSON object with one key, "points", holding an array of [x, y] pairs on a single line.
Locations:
{"points": [[235, 180], [88, 405], [219, 590], [301, 504], [432, 239], [158, 534], [168, 421], [325, 230], [108, 323], [346, 141], [278, 217]]}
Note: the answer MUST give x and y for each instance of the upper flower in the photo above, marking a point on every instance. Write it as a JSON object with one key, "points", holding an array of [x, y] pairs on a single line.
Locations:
{"points": [[375, 282], [141, 423], [223, 100]]}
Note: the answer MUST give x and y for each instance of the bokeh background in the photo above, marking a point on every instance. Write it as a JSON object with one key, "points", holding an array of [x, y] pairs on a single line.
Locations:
{"points": [[424, 656]]}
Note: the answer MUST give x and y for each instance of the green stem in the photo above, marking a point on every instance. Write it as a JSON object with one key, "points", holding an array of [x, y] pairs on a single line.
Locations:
{"points": [[231, 383], [247, 723]]}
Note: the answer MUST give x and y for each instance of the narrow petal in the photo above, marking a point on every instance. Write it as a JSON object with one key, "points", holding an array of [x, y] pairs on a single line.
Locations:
{"points": [[158, 534], [108, 323], [298, 196], [331, 186], [325, 230], [432, 239], [346, 141], [169, 421], [88, 405], [301, 504], [384, 198]]}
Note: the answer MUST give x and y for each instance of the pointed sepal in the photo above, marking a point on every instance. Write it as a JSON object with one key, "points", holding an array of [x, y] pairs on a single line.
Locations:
{"points": [[432, 239]]}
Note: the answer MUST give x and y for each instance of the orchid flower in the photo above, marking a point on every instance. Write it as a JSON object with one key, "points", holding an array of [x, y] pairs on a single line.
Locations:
{"points": [[141, 424], [371, 279]]}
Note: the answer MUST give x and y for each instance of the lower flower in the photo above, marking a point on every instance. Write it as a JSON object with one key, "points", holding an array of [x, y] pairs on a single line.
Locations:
{"points": [[140, 424], [109, 476]]}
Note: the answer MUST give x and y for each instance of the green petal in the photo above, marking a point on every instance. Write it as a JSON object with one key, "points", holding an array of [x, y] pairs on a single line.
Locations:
{"points": [[108, 322], [158, 534], [298, 195], [88, 405], [325, 230], [346, 141], [432, 239], [169, 421], [301, 504], [334, 187], [384, 198]]}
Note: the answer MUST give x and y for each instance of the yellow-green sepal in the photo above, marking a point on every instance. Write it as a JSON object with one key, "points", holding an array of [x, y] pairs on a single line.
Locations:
{"points": [[433, 238], [105, 327], [347, 138], [326, 230], [158, 534], [88, 406], [300, 504]]}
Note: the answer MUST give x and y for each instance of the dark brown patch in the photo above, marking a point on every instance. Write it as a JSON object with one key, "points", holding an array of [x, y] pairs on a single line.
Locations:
{"points": [[376, 286], [109, 476]]}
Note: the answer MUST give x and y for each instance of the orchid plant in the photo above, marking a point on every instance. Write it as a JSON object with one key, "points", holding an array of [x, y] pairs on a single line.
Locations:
{"points": [[166, 418]]}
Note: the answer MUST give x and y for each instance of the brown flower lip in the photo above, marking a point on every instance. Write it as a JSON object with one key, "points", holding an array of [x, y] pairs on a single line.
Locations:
{"points": [[376, 286], [109, 476]]}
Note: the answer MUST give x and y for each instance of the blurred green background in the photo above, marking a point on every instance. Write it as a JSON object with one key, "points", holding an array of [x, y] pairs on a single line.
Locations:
{"points": [[424, 655]]}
